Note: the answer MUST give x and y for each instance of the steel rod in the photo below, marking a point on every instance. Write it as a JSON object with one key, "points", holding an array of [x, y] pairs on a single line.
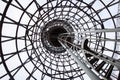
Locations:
{"points": [[94, 31], [88, 71]]}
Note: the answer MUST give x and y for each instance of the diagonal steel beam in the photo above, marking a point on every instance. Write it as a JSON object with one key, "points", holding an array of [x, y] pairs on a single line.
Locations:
{"points": [[88, 71]]}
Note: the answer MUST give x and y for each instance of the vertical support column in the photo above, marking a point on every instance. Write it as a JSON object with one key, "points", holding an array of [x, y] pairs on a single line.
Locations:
{"points": [[118, 33], [88, 71], [118, 25]]}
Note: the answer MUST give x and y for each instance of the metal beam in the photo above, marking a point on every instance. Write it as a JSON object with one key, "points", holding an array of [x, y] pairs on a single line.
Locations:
{"points": [[88, 71], [93, 31]]}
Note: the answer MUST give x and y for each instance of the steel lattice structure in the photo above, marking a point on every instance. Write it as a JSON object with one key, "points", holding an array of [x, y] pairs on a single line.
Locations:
{"points": [[59, 40]]}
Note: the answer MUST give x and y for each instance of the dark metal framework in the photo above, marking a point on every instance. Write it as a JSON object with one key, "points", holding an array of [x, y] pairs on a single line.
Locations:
{"points": [[43, 39]]}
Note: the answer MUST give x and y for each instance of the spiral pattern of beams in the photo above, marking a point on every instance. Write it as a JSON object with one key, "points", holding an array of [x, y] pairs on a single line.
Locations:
{"points": [[46, 39]]}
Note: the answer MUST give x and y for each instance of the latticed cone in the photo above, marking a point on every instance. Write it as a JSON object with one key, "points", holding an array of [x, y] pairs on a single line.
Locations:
{"points": [[32, 32]]}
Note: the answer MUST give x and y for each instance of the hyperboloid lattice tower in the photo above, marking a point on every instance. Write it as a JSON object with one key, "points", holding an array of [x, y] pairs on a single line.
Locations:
{"points": [[59, 40]]}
